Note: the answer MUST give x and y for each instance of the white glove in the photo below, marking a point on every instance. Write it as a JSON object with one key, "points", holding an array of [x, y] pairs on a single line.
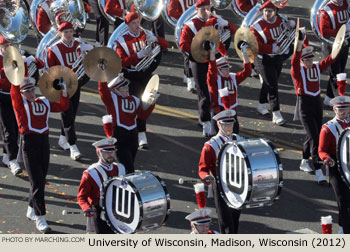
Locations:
{"points": [[222, 22], [275, 48], [29, 60], [212, 47], [151, 38], [144, 52], [291, 23], [86, 47], [63, 85]]}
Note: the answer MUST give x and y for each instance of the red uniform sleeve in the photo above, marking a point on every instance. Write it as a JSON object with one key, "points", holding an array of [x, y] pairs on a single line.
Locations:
{"points": [[327, 144], [60, 106], [113, 8], [107, 100], [39, 63], [232, 28], [52, 59], [245, 5], [186, 39], [324, 64], [207, 162], [326, 26], [295, 71], [174, 9], [263, 48], [127, 61], [245, 73], [43, 21], [18, 107], [212, 78], [164, 44], [144, 114], [84, 192]]}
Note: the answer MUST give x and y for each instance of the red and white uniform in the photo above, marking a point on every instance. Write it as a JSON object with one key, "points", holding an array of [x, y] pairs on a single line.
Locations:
{"points": [[42, 19], [92, 183], [329, 136], [115, 8], [192, 27], [177, 7], [223, 91], [130, 44], [124, 110], [333, 16], [307, 81], [62, 53], [5, 85], [32, 117], [246, 5]]}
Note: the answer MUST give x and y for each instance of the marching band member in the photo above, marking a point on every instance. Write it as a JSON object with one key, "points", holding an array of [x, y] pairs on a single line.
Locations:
{"points": [[267, 30], [117, 9], [306, 78], [91, 184], [333, 16], [228, 217], [132, 47], [329, 136], [124, 110], [246, 5], [65, 52], [9, 129], [200, 219], [102, 24], [199, 70], [43, 17], [223, 85], [32, 117]]}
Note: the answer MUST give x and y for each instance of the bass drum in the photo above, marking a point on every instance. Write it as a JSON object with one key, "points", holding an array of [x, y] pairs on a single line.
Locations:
{"points": [[343, 155], [249, 173], [138, 202]]}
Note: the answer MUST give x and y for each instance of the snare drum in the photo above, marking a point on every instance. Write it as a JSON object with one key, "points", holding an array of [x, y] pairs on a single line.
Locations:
{"points": [[137, 202], [249, 173]]}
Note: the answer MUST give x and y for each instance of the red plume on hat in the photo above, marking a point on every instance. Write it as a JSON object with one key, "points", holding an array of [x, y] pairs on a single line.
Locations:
{"points": [[201, 196]]}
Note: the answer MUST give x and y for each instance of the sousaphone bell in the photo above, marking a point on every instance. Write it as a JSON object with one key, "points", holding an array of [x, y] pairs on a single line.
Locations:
{"points": [[242, 35], [150, 92], [49, 82], [205, 35], [102, 64], [13, 66]]}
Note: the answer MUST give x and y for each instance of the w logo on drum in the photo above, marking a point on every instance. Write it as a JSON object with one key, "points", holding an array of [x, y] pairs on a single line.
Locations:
{"points": [[275, 32], [71, 58], [342, 16], [38, 109], [128, 106], [311, 74], [123, 204], [235, 173], [230, 86]]}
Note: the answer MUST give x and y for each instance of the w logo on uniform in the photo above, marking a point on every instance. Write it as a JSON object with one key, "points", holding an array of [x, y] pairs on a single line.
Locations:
{"points": [[38, 109], [71, 58], [312, 74], [128, 106], [123, 204], [342, 16], [230, 87], [275, 32]]}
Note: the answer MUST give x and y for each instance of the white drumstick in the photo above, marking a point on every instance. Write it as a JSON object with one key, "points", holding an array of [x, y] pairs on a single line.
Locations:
{"points": [[65, 212]]}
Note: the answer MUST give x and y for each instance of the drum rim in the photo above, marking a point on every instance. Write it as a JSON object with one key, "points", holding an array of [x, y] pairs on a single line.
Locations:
{"points": [[218, 181], [108, 221], [340, 169], [167, 195]]}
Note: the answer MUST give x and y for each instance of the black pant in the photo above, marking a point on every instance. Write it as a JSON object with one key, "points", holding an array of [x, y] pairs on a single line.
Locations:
{"points": [[342, 195], [215, 126], [101, 227], [158, 27], [36, 157], [9, 128], [200, 71], [68, 118], [228, 217], [127, 145], [337, 67], [102, 24], [269, 89], [187, 67], [311, 114], [117, 22]]}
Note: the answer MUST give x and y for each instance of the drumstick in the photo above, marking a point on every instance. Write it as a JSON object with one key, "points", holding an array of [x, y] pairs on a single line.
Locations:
{"points": [[182, 181], [65, 212]]}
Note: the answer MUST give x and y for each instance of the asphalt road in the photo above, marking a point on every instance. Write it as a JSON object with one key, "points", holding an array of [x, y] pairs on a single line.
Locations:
{"points": [[175, 144]]}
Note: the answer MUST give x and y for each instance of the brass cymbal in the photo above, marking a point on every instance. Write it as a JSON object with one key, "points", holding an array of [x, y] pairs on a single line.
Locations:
{"points": [[197, 46], [102, 64], [244, 34], [338, 41], [150, 92], [49, 85], [296, 39], [13, 66]]}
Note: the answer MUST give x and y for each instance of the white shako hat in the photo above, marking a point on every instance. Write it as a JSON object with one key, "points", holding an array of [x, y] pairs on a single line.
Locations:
{"points": [[118, 82], [340, 101], [106, 144], [222, 62], [200, 216], [307, 52], [27, 84], [226, 116]]}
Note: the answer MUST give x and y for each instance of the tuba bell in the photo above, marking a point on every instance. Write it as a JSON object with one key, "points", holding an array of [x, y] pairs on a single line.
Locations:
{"points": [[315, 18], [14, 20], [149, 9], [170, 20], [220, 4]]}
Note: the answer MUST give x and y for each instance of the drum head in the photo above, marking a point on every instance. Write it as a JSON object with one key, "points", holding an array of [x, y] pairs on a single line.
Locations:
{"points": [[343, 156], [233, 176], [122, 206]]}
